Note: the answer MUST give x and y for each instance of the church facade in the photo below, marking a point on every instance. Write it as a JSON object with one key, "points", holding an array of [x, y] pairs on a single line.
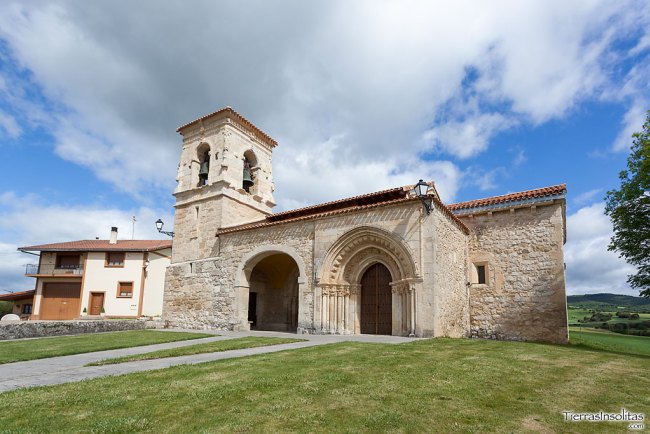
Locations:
{"points": [[391, 262]]}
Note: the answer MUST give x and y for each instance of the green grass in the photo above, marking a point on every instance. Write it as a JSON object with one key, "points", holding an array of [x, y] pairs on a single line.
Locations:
{"points": [[31, 349], [612, 342], [210, 347], [439, 385]]}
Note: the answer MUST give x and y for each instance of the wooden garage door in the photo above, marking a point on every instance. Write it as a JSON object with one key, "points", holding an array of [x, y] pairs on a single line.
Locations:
{"points": [[60, 300], [376, 301]]}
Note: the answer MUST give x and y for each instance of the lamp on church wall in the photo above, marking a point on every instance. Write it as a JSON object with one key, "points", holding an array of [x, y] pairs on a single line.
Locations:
{"points": [[159, 226], [421, 189]]}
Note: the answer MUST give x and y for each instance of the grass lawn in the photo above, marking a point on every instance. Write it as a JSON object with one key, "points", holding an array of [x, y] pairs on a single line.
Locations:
{"points": [[438, 385], [31, 349], [614, 342], [210, 347]]}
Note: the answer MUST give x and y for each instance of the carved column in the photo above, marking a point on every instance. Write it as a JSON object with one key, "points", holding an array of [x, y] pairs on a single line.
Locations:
{"points": [[411, 294]]}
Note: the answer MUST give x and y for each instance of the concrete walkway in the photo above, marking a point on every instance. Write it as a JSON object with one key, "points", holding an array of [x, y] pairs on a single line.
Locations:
{"points": [[67, 369]]}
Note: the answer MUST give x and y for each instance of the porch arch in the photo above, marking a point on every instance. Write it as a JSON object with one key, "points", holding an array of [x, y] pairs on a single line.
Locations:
{"points": [[247, 273]]}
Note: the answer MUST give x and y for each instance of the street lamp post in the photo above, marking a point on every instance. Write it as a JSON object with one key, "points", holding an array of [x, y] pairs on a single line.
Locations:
{"points": [[159, 226], [421, 189]]}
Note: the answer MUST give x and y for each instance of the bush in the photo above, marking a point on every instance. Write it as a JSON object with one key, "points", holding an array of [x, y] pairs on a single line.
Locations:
{"points": [[5, 308], [599, 316], [623, 314], [634, 316]]}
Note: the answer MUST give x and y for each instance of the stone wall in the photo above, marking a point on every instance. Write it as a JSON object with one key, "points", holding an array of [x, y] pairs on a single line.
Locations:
{"points": [[524, 297], [213, 293], [37, 329], [448, 250]]}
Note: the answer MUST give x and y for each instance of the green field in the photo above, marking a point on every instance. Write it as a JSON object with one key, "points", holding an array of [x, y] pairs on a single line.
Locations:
{"points": [[31, 349], [437, 385], [612, 342], [210, 347]]}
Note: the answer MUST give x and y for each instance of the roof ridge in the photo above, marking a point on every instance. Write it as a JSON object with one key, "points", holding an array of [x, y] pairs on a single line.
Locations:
{"points": [[241, 118], [332, 202], [545, 191]]}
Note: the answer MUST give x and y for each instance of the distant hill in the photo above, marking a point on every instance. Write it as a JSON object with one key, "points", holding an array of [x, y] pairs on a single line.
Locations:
{"points": [[610, 302]]}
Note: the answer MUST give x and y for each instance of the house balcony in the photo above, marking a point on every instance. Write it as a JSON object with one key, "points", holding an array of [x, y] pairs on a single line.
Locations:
{"points": [[45, 270]]}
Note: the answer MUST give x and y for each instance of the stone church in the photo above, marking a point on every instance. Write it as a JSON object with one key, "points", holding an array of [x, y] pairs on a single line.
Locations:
{"points": [[395, 262]]}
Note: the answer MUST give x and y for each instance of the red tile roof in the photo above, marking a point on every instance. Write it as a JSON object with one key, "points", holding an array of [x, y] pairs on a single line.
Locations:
{"points": [[17, 295], [356, 203], [101, 246], [539, 193], [228, 110]]}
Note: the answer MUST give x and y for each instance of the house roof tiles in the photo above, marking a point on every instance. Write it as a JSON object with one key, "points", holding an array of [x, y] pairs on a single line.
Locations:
{"points": [[539, 193], [101, 246], [17, 295]]}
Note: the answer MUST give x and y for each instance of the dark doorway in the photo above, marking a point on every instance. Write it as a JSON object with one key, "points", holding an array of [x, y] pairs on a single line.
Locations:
{"points": [[376, 301], [252, 309], [274, 283]]}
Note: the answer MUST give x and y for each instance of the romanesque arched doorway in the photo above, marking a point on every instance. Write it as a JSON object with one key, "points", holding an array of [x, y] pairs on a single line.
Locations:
{"points": [[376, 301], [379, 262], [273, 294]]}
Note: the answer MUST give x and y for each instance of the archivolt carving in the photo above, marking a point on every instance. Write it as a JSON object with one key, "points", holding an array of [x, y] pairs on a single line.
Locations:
{"points": [[362, 247]]}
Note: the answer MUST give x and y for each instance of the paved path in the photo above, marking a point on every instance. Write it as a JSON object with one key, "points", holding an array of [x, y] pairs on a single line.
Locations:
{"points": [[66, 369]]}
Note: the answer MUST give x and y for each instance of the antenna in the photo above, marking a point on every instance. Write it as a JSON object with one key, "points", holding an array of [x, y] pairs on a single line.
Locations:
{"points": [[133, 228]]}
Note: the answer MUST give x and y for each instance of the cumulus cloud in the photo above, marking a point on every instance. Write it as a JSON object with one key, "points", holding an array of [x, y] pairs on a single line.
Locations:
{"points": [[591, 268], [29, 220], [356, 93], [375, 76]]}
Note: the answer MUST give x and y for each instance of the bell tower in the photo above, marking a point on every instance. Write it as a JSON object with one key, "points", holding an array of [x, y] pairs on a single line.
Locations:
{"points": [[224, 179]]}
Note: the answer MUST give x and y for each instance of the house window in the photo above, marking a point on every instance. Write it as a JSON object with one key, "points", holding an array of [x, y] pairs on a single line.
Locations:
{"points": [[27, 309], [480, 276], [67, 261], [114, 259], [125, 289]]}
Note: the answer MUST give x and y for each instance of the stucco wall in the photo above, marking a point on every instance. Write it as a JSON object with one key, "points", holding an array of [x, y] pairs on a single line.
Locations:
{"points": [[154, 285], [524, 297], [99, 278]]}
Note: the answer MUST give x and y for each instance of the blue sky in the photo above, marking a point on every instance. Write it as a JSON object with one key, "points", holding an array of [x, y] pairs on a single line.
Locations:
{"points": [[483, 99]]}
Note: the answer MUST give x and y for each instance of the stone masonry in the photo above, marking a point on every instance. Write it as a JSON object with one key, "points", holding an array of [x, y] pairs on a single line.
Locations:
{"points": [[235, 265]]}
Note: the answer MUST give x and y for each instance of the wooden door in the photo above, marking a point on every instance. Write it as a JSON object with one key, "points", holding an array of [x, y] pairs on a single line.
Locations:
{"points": [[60, 301], [96, 303], [376, 301]]}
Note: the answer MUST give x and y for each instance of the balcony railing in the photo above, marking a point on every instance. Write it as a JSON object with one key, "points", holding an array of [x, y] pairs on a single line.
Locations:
{"points": [[53, 270]]}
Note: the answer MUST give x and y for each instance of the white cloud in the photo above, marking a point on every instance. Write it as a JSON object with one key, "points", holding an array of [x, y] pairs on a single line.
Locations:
{"points": [[588, 196], [632, 122], [591, 268], [466, 138], [374, 75], [26, 221], [9, 125]]}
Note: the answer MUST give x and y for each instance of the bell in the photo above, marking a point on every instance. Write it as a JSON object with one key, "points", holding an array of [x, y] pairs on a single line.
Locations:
{"points": [[248, 181], [203, 170]]}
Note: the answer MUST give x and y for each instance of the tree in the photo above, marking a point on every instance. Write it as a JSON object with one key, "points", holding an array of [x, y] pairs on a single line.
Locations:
{"points": [[629, 209]]}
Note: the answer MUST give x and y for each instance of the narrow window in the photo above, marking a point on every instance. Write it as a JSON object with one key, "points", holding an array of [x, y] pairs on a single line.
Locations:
{"points": [[125, 289], [114, 259], [27, 309], [480, 271]]}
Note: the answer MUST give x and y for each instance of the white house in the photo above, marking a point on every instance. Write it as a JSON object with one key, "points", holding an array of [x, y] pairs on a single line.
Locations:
{"points": [[116, 278]]}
